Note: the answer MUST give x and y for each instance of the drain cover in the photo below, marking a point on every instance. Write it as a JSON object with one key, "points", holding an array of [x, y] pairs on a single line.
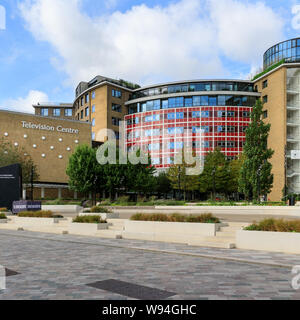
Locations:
{"points": [[131, 290], [10, 273]]}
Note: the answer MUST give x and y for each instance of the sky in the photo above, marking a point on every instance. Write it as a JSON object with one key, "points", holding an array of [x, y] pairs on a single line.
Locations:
{"points": [[48, 46]]}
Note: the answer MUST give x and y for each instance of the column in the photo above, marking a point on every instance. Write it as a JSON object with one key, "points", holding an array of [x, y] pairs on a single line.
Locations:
{"points": [[59, 193], [42, 192], [24, 194]]}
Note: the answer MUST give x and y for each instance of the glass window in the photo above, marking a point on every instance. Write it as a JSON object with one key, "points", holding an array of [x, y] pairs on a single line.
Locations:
{"points": [[204, 114], [188, 102], [93, 108], [87, 112], [44, 112], [116, 93], [204, 101], [87, 98], [93, 95], [212, 101], [196, 101], [93, 122], [221, 100], [68, 112], [196, 114], [153, 146], [156, 105], [265, 99], [165, 104], [155, 161], [93, 135], [56, 112], [116, 107], [115, 121]]}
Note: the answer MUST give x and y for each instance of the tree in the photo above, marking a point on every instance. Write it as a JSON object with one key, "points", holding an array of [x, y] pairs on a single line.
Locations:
{"points": [[85, 174], [163, 184], [256, 178], [216, 174], [234, 172], [180, 180], [11, 154]]}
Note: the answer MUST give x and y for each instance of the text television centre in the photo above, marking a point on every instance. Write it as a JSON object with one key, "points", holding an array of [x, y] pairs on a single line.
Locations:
{"points": [[219, 108]]}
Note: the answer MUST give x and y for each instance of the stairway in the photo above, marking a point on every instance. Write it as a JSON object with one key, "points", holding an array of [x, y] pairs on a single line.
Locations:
{"points": [[225, 237]]}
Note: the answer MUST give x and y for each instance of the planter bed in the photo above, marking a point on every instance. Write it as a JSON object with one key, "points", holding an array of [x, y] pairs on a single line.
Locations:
{"points": [[62, 208], [177, 232], [104, 216], [36, 221], [2, 221], [287, 242], [86, 228]]}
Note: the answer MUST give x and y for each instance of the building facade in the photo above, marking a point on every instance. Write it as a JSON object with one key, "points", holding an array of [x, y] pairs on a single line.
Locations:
{"points": [[55, 110], [279, 86], [214, 113], [49, 142]]}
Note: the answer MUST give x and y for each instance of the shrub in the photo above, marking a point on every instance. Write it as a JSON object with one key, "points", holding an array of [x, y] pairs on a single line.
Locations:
{"points": [[3, 210], [203, 218], [38, 214], [275, 225], [98, 209], [106, 202], [2, 216], [88, 219], [61, 202]]}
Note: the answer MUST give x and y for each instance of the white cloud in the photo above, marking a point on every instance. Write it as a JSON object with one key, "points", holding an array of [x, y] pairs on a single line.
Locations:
{"points": [[24, 104], [245, 30], [186, 39]]}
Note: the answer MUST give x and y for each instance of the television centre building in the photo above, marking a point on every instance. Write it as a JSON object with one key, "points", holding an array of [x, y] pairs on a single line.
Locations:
{"points": [[157, 116]]}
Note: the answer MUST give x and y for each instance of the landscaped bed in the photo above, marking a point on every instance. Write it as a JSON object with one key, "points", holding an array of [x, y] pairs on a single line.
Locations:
{"points": [[38, 214], [103, 213], [203, 218], [37, 218], [276, 235], [87, 225], [3, 218]]}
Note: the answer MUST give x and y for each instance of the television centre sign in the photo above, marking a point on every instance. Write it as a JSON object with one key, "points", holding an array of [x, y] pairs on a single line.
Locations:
{"points": [[30, 125]]}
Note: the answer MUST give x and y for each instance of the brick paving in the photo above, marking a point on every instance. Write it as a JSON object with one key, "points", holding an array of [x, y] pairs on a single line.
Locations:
{"points": [[57, 267]]}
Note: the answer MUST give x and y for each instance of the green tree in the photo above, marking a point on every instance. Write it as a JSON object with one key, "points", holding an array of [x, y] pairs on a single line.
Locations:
{"points": [[11, 154], [85, 174], [163, 184], [256, 178], [180, 180], [216, 174]]}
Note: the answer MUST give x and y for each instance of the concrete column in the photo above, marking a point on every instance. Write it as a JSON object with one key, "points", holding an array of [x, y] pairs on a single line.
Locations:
{"points": [[42, 192], [24, 194], [75, 195], [59, 193]]}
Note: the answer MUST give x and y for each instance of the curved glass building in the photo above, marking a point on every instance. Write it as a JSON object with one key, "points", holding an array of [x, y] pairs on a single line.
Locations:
{"points": [[288, 50], [219, 109]]}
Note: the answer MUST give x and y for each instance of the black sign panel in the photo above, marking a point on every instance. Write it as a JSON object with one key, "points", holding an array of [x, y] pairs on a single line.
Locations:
{"points": [[10, 185], [19, 206]]}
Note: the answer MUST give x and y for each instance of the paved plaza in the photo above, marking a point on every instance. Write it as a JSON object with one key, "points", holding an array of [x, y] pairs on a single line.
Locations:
{"points": [[56, 267]]}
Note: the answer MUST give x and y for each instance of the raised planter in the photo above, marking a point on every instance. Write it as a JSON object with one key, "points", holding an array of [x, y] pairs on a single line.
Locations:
{"points": [[176, 232], [2, 221], [287, 242], [63, 208], [86, 228], [36, 221], [104, 216]]}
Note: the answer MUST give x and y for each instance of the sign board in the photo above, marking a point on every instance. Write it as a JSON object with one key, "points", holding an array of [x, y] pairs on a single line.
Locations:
{"points": [[295, 154], [10, 185], [19, 206]]}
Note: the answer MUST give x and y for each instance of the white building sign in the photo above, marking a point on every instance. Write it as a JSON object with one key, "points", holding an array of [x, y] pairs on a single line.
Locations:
{"points": [[30, 125]]}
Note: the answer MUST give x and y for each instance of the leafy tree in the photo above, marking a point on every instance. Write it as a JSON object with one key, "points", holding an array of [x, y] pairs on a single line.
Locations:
{"points": [[17, 155], [234, 172], [216, 173], [255, 176], [180, 180], [85, 175], [163, 184]]}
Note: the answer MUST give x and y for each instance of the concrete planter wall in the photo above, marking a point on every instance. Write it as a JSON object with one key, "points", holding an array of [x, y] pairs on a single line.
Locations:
{"points": [[176, 232], [2, 221], [36, 221], [104, 216], [86, 228], [63, 209], [287, 242]]}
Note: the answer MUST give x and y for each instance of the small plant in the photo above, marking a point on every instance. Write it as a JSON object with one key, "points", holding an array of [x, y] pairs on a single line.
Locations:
{"points": [[2, 216], [3, 210], [89, 219], [275, 225], [98, 209], [38, 214], [203, 218]]}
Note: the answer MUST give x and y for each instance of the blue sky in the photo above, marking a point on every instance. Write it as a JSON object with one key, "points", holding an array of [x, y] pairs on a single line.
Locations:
{"points": [[48, 46]]}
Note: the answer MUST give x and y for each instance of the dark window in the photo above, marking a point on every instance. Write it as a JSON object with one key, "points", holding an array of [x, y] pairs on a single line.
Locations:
{"points": [[87, 112], [116, 107], [265, 99], [115, 121], [265, 114], [265, 84]]}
